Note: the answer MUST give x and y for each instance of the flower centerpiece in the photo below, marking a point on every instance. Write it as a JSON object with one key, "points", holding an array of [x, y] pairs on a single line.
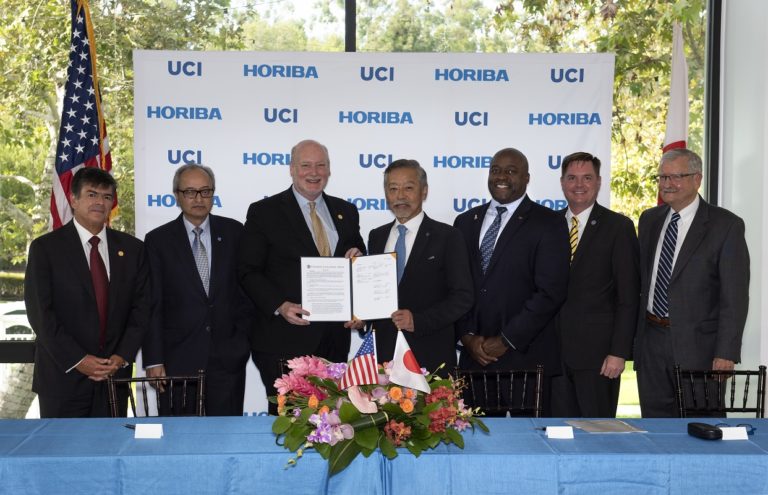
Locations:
{"points": [[316, 411]]}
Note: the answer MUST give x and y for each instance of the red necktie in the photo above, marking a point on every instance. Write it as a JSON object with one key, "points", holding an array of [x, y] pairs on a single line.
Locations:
{"points": [[100, 288]]}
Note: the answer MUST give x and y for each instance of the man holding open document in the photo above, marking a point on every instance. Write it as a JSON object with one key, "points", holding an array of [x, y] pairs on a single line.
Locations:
{"points": [[434, 281], [279, 230]]}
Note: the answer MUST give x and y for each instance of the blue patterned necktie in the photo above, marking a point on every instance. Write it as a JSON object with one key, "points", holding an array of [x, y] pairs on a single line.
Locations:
{"points": [[400, 251], [664, 271], [201, 258], [489, 240]]}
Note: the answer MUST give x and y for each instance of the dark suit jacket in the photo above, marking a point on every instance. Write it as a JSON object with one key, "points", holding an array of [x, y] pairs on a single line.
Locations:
{"points": [[523, 288], [436, 287], [599, 316], [276, 237], [190, 330], [708, 289], [61, 307]]}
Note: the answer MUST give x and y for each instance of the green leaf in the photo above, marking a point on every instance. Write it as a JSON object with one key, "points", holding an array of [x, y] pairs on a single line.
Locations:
{"points": [[367, 438], [414, 447], [479, 423], [281, 425], [348, 412], [341, 455], [432, 441], [455, 437], [323, 449], [440, 383], [431, 407], [296, 437], [367, 452], [387, 448]]}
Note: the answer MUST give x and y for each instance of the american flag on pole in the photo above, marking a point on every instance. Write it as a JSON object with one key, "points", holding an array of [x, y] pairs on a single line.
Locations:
{"points": [[83, 133], [363, 369]]}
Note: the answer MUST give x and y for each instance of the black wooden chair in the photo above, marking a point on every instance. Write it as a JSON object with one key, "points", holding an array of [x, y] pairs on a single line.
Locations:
{"points": [[184, 395], [714, 393], [498, 392]]}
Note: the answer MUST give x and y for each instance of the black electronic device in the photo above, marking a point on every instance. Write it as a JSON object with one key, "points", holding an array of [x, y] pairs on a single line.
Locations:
{"points": [[705, 431]]}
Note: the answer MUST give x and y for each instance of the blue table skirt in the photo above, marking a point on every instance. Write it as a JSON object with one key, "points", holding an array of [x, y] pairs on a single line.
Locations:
{"points": [[239, 455]]}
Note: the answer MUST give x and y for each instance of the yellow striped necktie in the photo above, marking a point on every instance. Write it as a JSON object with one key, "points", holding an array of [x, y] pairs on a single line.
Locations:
{"points": [[321, 240], [574, 235]]}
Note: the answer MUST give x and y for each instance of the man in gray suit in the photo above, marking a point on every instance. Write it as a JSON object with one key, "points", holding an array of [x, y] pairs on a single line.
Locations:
{"points": [[694, 287]]}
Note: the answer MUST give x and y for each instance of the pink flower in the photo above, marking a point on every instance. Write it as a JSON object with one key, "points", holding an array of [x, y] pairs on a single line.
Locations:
{"points": [[298, 385], [309, 365]]}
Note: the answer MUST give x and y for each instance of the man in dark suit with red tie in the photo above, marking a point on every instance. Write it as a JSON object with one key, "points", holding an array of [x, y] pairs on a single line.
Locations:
{"points": [[279, 230], [598, 320], [434, 284], [518, 254], [87, 296], [200, 317]]}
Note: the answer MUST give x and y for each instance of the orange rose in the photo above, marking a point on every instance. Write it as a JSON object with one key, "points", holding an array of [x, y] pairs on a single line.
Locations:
{"points": [[396, 393], [409, 393], [324, 409], [313, 402], [406, 405]]}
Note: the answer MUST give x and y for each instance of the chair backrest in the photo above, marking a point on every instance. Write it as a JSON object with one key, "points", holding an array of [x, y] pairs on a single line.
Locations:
{"points": [[497, 392], [710, 392], [180, 393]]}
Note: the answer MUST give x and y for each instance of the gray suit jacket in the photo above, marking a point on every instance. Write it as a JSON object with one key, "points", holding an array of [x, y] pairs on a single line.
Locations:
{"points": [[709, 287]]}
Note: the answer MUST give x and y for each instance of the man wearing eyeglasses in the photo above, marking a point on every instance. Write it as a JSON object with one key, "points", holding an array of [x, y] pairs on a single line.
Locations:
{"points": [[200, 317], [301, 221], [694, 267]]}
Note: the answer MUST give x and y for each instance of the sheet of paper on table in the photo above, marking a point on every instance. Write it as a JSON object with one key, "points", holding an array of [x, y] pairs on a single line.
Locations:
{"points": [[604, 426]]}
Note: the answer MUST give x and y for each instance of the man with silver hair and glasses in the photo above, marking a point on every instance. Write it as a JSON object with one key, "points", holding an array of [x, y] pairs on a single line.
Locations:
{"points": [[200, 317], [694, 267]]}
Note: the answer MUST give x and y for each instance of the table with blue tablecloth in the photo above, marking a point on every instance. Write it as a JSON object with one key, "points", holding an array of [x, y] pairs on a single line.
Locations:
{"points": [[239, 455]]}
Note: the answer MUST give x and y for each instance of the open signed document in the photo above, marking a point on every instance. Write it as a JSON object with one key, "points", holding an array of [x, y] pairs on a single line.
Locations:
{"points": [[340, 289]]}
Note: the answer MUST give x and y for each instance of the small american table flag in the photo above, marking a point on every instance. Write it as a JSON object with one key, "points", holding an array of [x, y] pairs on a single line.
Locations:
{"points": [[83, 134], [363, 369]]}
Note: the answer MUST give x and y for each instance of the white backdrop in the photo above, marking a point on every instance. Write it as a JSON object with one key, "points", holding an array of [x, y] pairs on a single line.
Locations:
{"points": [[241, 112]]}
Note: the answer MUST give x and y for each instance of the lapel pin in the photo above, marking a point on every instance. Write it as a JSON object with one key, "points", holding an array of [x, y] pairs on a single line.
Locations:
{"points": [[593, 222], [475, 216], [340, 216], [120, 253], [218, 239]]}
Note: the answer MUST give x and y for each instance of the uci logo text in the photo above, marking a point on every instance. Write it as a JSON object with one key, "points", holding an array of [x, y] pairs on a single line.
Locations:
{"points": [[378, 73], [464, 204], [571, 75], [471, 118], [185, 156], [177, 67], [370, 160], [284, 115]]}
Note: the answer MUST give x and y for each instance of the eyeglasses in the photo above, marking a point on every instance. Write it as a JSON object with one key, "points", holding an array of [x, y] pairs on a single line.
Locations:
{"points": [[192, 193], [750, 429], [674, 177]]}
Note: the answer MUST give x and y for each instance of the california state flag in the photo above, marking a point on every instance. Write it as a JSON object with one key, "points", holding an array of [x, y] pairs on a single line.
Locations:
{"points": [[405, 369], [677, 113]]}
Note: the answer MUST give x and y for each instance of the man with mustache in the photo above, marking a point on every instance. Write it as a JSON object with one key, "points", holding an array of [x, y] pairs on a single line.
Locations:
{"points": [[279, 230], [518, 255], [434, 284], [87, 295], [694, 269]]}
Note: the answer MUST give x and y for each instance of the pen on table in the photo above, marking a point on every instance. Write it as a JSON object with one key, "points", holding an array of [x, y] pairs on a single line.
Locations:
{"points": [[130, 426], [541, 428]]}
